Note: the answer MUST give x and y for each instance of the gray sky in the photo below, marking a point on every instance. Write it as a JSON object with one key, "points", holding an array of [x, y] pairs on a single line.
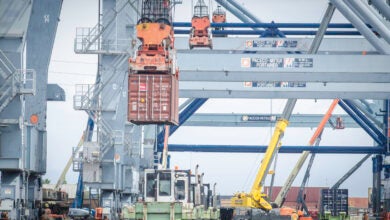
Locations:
{"points": [[232, 172]]}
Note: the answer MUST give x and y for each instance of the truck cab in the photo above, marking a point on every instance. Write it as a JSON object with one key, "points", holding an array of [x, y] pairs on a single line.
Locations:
{"points": [[167, 185]]}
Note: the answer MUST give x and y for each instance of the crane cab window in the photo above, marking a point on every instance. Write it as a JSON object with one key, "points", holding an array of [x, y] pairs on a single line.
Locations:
{"points": [[164, 184], [180, 190], [150, 185]]}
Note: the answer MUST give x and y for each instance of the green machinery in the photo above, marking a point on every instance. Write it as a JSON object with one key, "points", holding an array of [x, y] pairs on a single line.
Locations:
{"points": [[174, 194]]}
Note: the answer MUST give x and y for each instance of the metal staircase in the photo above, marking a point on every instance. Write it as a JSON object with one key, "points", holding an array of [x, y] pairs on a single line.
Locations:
{"points": [[89, 40], [14, 81], [87, 98]]}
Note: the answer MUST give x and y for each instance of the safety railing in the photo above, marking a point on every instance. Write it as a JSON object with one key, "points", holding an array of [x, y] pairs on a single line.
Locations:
{"points": [[77, 160], [84, 93], [88, 41], [19, 82]]}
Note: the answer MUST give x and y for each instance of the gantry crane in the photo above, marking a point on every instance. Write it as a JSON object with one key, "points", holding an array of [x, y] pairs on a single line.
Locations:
{"points": [[255, 198]]}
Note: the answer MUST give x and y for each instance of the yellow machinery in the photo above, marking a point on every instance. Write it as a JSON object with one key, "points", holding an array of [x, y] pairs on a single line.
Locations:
{"points": [[256, 199]]}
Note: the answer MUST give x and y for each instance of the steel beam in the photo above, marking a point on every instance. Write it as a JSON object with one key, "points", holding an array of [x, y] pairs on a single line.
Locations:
{"points": [[310, 91], [257, 76], [358, 120], [251, 16], [382, 7], [259, 71], [244, 11], [14, 18], [322, 29], [377, 168], [365, 108], [240, 44], [268, 25], [368, 16], [387, 123], [55, 93], [283, 149], [379, 44], [183, 117], [234, 11], [284, 63], [260, 32], [350, 172], [259, 120], [366, 121]]}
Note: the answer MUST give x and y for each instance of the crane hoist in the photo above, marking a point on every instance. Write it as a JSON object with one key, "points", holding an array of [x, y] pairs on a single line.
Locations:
{"points": [[155, 31], [200, 35], [153, 82]]}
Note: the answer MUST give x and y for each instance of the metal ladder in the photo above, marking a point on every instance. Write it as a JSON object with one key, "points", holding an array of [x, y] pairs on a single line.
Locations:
{"points": [[14, 81]]}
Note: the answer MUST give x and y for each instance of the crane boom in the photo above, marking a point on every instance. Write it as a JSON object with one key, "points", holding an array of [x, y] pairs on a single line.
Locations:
{"points": [[264, 167], [256, 199], [287, 185], [350, 172], [300, 198]]}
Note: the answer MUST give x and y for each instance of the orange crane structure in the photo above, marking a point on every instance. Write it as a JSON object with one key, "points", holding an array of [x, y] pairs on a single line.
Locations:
{"points": [[200, 35]]}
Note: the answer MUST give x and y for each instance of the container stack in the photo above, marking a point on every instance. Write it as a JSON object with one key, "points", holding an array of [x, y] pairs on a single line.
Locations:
{"points": [[334, 201], [153, 83]]}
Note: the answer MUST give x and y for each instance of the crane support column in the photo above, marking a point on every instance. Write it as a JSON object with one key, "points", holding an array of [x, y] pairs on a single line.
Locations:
{"points": [[376, 184]]}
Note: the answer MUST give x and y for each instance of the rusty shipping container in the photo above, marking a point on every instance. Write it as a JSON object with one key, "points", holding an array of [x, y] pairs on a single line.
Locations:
{"points": [[153, 99]]}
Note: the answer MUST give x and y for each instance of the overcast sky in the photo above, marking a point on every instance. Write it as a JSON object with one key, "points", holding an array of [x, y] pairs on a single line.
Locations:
{"points": [[232, 172]]}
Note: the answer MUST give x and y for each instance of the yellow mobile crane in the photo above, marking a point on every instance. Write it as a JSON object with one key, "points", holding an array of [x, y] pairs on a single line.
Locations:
{"points": [[255, 198]]}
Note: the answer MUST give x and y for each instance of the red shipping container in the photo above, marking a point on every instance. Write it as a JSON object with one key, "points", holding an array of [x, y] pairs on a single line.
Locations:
{"points": [[153, 99]]}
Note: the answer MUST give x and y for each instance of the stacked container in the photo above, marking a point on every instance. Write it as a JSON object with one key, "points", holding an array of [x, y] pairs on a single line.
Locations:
{"points": [[153, 98], [334, 201]]}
